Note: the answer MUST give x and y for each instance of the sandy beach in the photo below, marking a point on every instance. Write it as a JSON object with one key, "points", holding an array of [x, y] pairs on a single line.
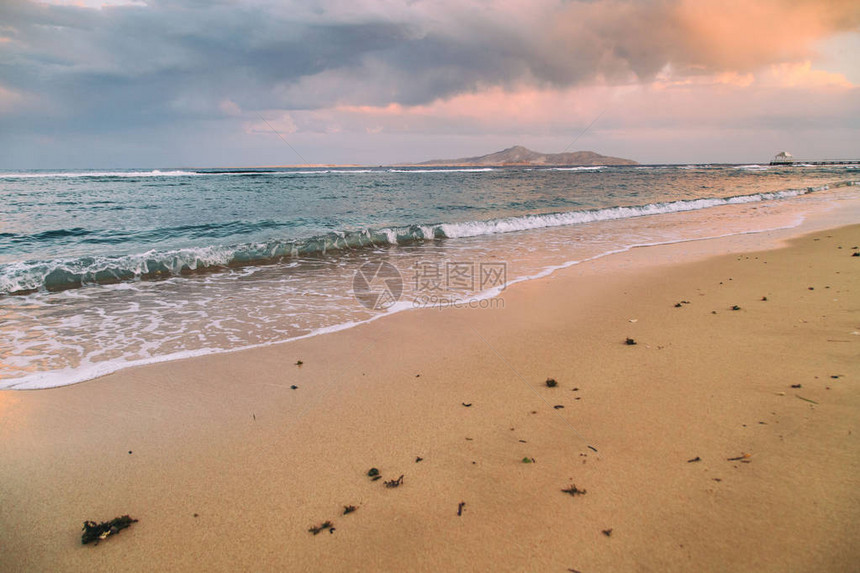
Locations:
{"points": [[724, 439]]}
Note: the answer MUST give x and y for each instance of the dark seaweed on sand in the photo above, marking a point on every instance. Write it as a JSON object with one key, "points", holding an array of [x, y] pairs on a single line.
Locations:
{"points": [[322, 527], [573, 490], [551, 383], [95, 532], [394, 482]]}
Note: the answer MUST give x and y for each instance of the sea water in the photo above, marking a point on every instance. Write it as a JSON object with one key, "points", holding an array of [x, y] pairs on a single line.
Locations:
{"points": [[101, 270]]}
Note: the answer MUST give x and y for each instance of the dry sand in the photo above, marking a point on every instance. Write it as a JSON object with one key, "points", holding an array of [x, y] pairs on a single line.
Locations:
{"points": [[227, 467]]}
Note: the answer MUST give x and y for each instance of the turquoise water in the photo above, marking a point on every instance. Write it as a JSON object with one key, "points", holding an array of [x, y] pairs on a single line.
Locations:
{"points": [[101, 270]]}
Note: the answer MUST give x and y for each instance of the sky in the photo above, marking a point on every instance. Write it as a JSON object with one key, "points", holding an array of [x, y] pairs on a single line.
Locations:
{"points": [[182, 83]]}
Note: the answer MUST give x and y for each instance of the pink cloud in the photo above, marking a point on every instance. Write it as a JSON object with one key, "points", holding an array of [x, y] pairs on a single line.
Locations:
{"points": [[10, 100]]}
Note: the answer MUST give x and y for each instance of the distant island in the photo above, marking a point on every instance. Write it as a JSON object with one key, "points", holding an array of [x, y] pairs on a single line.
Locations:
{"points": [[519, 155]]}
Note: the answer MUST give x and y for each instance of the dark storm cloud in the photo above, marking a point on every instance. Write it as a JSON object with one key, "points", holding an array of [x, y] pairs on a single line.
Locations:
{"points": [[177, 60], [170, 59]]}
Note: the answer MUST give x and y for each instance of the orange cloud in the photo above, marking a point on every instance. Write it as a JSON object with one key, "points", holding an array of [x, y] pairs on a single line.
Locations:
{"points": [[697, 36], [742, 35], [793, 75], [713, 101]]}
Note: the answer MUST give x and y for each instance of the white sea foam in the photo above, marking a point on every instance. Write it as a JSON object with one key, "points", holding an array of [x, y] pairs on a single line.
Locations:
{"points": [[64, 273], [135, 334], [445, 170], [753, 167], [580, 168], [392, 235], [511, 224], [89, 369], [76, 174]]}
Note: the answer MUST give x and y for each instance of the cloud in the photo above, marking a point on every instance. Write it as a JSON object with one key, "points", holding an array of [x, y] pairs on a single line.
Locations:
{"points": [[801, 74], [281, 125], [9, 100], [375, 52], [229, 107], [788, 94], [116, 66]]}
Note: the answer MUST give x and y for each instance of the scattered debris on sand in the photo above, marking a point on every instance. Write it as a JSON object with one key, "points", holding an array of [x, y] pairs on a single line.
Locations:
{"points": [[460, 508], [95, 532], [395, 482], [551, 383], [322, 527], [630, 342], [573, 490], [347, 509]]}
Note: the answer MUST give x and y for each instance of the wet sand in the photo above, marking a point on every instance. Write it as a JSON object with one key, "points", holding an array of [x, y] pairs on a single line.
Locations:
{"points": [[726, 440]]}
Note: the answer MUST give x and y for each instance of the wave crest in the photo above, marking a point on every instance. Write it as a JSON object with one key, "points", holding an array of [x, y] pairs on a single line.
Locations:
{"points": [[61, 274]]}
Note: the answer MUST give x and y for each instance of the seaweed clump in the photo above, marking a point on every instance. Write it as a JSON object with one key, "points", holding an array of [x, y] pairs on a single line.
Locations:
{"points": [[394, 482], [95, 532], [573, 490], [316, 529]]}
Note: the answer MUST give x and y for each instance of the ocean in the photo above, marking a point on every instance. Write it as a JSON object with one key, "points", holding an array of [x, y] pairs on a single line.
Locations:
{"points": [[102, 270]]}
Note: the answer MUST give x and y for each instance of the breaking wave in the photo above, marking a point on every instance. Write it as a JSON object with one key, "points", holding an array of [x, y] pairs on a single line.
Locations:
{"points": [[60, 274]]}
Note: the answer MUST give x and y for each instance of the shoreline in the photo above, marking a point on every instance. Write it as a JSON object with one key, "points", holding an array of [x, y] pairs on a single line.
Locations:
{"points": [[50, 379], [227, 466]]}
